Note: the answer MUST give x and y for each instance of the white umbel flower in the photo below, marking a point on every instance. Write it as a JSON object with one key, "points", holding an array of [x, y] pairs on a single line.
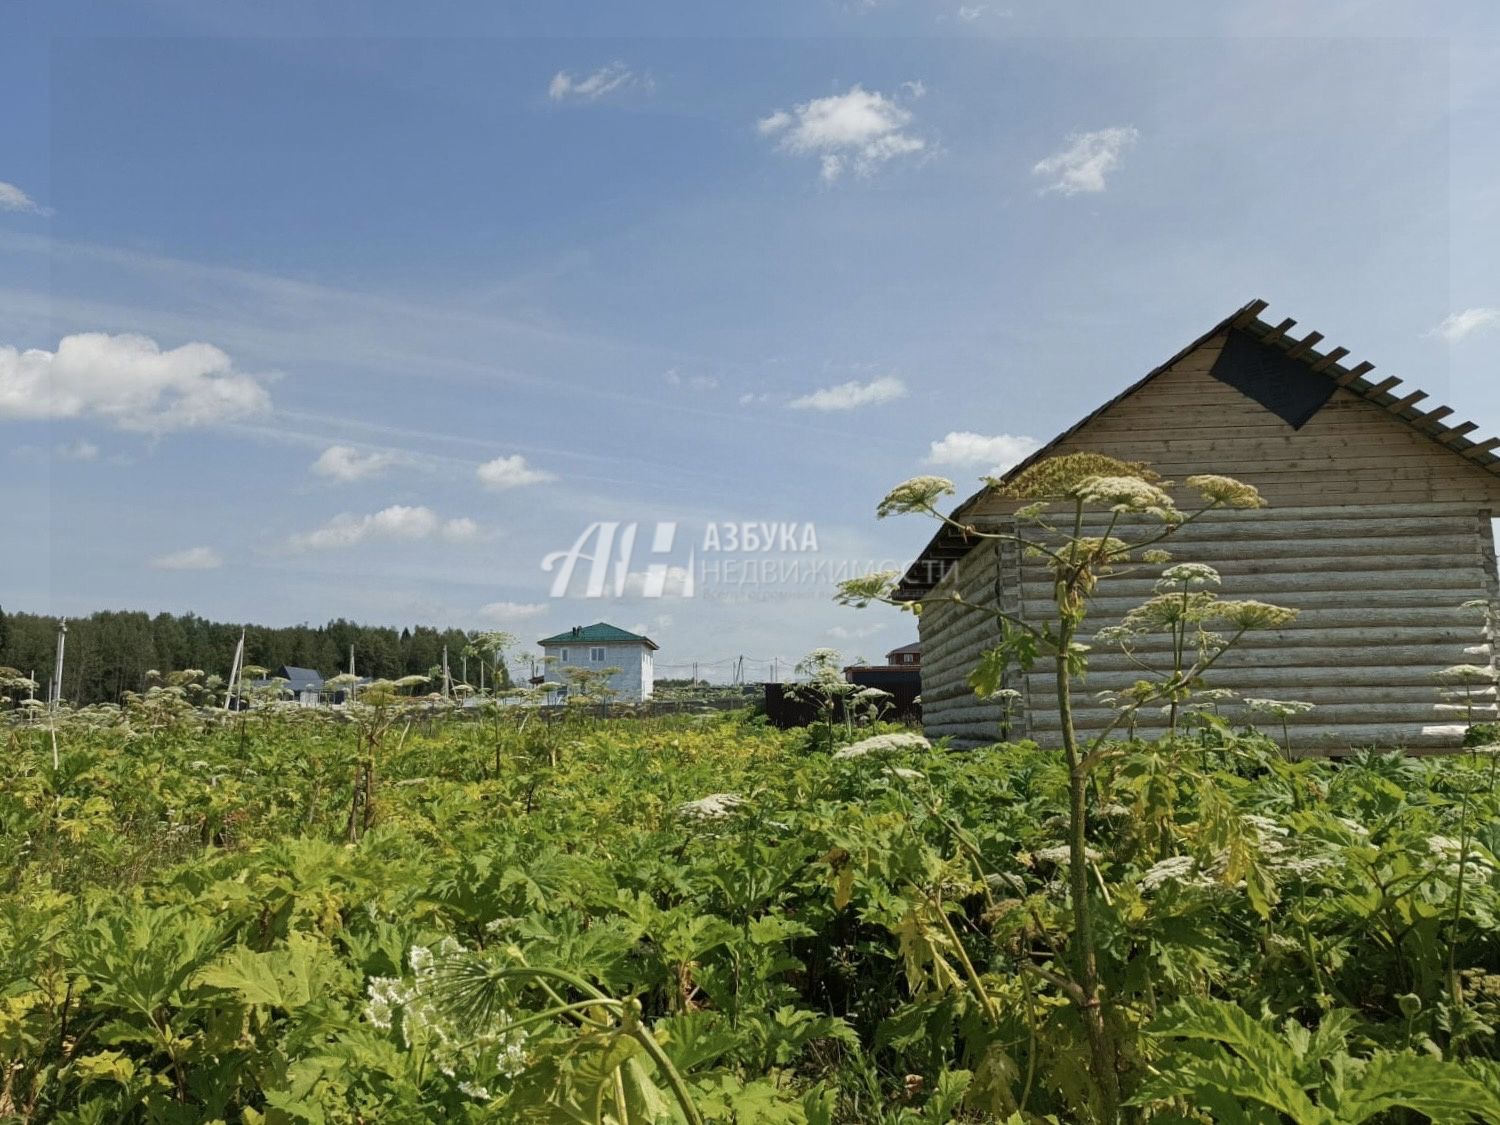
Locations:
{"points": [[716, 806], [1173, 869], [883, 744]]}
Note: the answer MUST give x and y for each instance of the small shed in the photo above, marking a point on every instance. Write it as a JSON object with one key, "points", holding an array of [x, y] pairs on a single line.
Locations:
{"points": [[1378, 532]]}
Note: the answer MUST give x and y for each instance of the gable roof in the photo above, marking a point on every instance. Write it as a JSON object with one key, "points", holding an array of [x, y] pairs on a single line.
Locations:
{"points": [[301, 679], [950, 543], [598, 633], [915, 647]]}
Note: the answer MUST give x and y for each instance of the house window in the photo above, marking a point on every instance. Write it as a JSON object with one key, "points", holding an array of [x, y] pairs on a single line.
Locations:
{"points": [[596, 656], [564, 656]]}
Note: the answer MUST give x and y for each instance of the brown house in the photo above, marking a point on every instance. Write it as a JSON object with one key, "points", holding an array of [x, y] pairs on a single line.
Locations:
{"points": [[1378, 531]]}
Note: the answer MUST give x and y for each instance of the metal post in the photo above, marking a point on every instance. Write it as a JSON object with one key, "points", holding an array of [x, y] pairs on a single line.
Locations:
{"points": [[235, 669]]}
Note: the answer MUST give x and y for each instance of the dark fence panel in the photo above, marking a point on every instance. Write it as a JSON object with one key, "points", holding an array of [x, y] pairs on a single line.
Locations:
{"points": [[785, 708]]}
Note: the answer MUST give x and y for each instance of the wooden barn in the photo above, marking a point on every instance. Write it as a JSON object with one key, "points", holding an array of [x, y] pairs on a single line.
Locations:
{"points": [[1378, 531]]}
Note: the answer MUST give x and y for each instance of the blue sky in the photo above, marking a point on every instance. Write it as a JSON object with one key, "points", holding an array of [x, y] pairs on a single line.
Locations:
{"points": [[364, 309]]}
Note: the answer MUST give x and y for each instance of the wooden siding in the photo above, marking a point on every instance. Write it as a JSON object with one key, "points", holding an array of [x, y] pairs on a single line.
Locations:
{"points": [[1379, 587], [953, 639], [1352, 451]]}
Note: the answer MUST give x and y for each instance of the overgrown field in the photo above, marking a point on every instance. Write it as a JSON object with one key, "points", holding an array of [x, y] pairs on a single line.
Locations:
{"points": [[678, 920]]}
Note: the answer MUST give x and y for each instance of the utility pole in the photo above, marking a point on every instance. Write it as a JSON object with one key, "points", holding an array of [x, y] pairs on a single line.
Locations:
{"points": [[236, 668], [352, 685], [62, 640], [57, 673], [447, 680]]}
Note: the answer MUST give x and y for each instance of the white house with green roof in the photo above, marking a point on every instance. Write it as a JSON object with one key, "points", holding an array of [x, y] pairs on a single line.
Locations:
{"points": [[598, 647]]}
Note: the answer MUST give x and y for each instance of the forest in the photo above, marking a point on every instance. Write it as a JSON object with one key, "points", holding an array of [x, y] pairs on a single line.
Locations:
{"points": [[110, 652]]}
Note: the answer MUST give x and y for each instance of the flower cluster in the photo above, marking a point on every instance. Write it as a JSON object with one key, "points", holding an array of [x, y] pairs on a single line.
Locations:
{"points": [[457, 1048], [1226, 491], [1249, 614], [919, 494], [1059, 855], [860, 591], [1180, 869], [1127, 494], [883, 744], [716, 806], [1189, 574]]}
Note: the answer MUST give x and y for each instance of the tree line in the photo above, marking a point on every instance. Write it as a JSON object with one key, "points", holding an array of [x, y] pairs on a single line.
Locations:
{"points": [[110, 652]]}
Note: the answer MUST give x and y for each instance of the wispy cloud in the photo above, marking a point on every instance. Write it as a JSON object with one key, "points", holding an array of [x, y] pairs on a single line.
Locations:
{"points": [[193, 558], [1082, 164], [345, 464], [502, 613], [398, 522], [860, 130], [992, 455], [79, 450], [129, 381], [675, 378], [510, 472], [13, 198], [1457, 326], [853, 394], [591, 87]]}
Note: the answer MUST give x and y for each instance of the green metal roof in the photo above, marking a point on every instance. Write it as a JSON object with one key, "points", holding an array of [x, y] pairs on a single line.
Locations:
{"points": [[598, 633]]}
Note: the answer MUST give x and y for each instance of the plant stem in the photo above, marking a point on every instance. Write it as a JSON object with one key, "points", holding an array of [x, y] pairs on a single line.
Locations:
{"points": [[1101, 1057]]}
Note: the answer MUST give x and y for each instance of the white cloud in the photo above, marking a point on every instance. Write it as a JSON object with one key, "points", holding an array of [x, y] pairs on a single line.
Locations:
{"points": [[398, 522], [848, 633], [127, 380], [848, 396], [77, 451], [861, 129], [675, 378], [511, 472], [1456, 326], [194, 558], [969, 13], [346, 464], [502, 612], [1086, 159], [460, 530], [605, 80], [13, 198], [669, 582], [994, 455]]}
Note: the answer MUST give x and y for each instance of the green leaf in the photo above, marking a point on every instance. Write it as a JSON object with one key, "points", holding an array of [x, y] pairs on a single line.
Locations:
{"points": [[1435, 1087]]}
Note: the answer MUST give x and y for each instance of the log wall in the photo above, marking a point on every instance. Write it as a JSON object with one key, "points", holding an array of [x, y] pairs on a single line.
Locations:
{"points": [[1380, 590]]}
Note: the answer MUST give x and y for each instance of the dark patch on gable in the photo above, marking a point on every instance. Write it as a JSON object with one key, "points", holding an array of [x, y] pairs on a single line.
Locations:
{"points": [[1281, 384]]}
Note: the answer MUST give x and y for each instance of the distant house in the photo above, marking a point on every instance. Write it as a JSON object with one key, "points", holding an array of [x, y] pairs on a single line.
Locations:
{"points": [[901, 675], [1379, 533], [905, 656], [600, 646], [303, 686]]}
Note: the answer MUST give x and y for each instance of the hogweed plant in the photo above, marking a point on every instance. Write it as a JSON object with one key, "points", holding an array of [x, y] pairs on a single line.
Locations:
{"points": [[1060, 496]]}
